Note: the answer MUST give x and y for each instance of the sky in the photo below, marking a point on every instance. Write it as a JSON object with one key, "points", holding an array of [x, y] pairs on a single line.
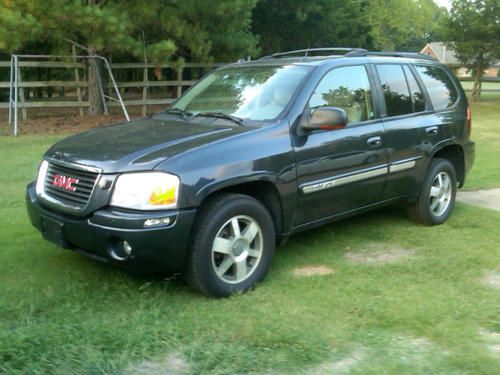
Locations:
{"points": [[443, 3]]}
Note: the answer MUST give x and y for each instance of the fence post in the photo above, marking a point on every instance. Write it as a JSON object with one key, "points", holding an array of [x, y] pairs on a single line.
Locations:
{"points": [[145, 90], [24, 111], [77, 79], [179, 81]]}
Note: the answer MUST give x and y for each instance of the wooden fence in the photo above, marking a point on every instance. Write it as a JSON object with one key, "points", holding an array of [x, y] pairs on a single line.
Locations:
{"points": [[136, 82]]}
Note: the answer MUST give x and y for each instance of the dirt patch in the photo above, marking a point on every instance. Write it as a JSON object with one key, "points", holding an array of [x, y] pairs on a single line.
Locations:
{"points": [[492, 279], [312, 271], [64, 124], [343, 365], [376, 253], [172, 364], [492, 340], [488, 198]]}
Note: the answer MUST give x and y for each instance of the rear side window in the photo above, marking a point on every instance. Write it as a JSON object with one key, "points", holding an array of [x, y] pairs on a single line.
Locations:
{"points": [[417, 96], [441, 89], [396, 94]]}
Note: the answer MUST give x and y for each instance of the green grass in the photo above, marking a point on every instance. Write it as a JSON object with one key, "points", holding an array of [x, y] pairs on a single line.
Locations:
{"points": [[61, 313]]}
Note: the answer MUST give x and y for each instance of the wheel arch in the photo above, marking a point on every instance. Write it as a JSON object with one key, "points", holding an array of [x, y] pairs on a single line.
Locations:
{"points": [[455, 155], [264, 190]]}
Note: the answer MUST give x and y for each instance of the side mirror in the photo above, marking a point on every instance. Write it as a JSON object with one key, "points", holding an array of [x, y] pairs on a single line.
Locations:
{"points": [[326, 118]]}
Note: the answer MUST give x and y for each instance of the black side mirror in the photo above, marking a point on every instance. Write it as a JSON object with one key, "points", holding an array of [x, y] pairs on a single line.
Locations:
{"points": [[326, 118]]}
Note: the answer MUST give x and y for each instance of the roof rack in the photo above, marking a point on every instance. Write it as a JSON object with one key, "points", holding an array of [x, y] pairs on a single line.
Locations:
{"points": [[305, 52], [411, 55]]}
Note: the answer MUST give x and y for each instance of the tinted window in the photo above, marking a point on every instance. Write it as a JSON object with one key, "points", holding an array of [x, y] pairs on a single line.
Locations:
{"points": [[441, 89], [396, 93], [417, 96], [347, 88]]}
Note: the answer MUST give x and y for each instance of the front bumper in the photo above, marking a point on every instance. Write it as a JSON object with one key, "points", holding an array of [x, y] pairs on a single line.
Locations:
{"points": [[101, 235]]}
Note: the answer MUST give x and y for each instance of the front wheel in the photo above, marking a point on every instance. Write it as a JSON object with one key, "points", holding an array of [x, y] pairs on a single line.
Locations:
{"points": [[232, 247], [437, 198]]}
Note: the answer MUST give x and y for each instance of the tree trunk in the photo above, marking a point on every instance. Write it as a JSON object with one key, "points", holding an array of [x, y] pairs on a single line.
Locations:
{"points": [[96, 106], [477, 80]]}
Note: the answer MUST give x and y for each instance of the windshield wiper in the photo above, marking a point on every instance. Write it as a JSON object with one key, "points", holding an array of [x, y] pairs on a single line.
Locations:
{"points": [[222, 115], [178, 111]]}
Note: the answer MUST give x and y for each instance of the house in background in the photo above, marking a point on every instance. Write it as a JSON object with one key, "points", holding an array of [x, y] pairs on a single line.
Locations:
{"points": [[446, 55]]}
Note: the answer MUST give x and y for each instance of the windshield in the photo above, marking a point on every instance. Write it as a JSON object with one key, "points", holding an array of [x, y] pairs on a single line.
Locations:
{"points": [[247, 92]]}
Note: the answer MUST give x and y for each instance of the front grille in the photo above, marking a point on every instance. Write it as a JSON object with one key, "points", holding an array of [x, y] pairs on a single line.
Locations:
{"points": [[82, 182]]}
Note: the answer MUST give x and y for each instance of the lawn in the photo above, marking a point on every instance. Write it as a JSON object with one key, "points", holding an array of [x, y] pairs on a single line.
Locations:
{"points": [[395, 297]]}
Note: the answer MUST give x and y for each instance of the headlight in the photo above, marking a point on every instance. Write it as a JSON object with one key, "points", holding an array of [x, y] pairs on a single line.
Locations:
{"points": [[40, 180], [146, 191]]}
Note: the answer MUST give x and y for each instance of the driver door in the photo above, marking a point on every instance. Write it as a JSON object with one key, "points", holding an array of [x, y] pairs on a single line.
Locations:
{"points": [[344, 169]]}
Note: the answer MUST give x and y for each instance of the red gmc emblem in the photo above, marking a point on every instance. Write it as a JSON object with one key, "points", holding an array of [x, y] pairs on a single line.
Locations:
{"points": [[65, 182]]}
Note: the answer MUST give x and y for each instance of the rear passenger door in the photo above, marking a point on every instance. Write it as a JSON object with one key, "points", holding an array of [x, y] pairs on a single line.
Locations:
{"points": [[408, 125], [417, 117]]}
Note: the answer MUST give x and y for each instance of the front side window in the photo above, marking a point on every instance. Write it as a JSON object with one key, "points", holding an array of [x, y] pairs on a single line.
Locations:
{"points": [[347, 88], [441, 90], [396, 93], [248, 92]]}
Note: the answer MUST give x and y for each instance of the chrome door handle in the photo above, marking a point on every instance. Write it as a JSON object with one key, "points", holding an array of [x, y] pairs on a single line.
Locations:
{"points": [[374, 141], [433, 130]]}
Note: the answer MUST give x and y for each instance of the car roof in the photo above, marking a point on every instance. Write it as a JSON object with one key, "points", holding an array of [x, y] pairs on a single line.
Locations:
{"points": [[325, 58]]}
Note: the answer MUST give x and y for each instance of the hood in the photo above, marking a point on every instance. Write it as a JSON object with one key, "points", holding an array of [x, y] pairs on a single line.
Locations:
{"points": [[139, 144]]}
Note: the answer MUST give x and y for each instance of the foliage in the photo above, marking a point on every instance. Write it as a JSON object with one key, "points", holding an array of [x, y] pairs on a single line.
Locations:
{"points": [[380, 24], [402, 24], [473, 31], [186, 28], [284, 26]]}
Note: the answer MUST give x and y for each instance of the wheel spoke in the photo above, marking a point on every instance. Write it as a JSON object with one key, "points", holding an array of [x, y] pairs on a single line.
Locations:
{"points": [[236, 227], [241, 269], [224, 266], [250, 232], [440, 180], [446, 184], [434, 204], [222, 245], [253, 253], [434, 191]]}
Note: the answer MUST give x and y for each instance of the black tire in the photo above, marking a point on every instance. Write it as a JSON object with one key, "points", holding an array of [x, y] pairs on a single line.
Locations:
{"points": [[215, 220], [422, 211]]}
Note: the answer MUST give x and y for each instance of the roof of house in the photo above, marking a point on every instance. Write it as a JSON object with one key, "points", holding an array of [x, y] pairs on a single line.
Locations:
{"points": [[443, 53]]}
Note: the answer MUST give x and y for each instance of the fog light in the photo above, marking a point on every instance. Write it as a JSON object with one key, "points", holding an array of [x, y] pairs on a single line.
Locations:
{"points": [[127, 249], [156, 222]]}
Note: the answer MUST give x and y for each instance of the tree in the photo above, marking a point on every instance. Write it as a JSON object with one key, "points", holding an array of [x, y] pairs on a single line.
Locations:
{"points": [[288, 25], [172, 29], [401, 24], [472, 29]]}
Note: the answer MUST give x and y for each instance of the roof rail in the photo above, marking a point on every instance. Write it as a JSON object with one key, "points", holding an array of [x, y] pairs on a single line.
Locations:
{"points": [[305, 52], [411, 55]]}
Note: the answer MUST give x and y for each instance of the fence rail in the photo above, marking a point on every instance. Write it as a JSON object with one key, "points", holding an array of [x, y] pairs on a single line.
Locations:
{"points": [[67, 93]]}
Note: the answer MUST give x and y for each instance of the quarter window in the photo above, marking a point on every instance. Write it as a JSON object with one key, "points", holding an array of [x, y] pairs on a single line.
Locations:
{"points": [[347, 88], [441, 90], [396, 93]]}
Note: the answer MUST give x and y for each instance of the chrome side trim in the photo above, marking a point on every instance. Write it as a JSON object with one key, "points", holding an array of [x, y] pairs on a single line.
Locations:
{"points": [[345, 179], [402, 165], [393, 168]]}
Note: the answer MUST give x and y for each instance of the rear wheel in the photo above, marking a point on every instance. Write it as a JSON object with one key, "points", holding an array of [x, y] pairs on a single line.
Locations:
{"points": [[437, 198], [232, 247]]}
